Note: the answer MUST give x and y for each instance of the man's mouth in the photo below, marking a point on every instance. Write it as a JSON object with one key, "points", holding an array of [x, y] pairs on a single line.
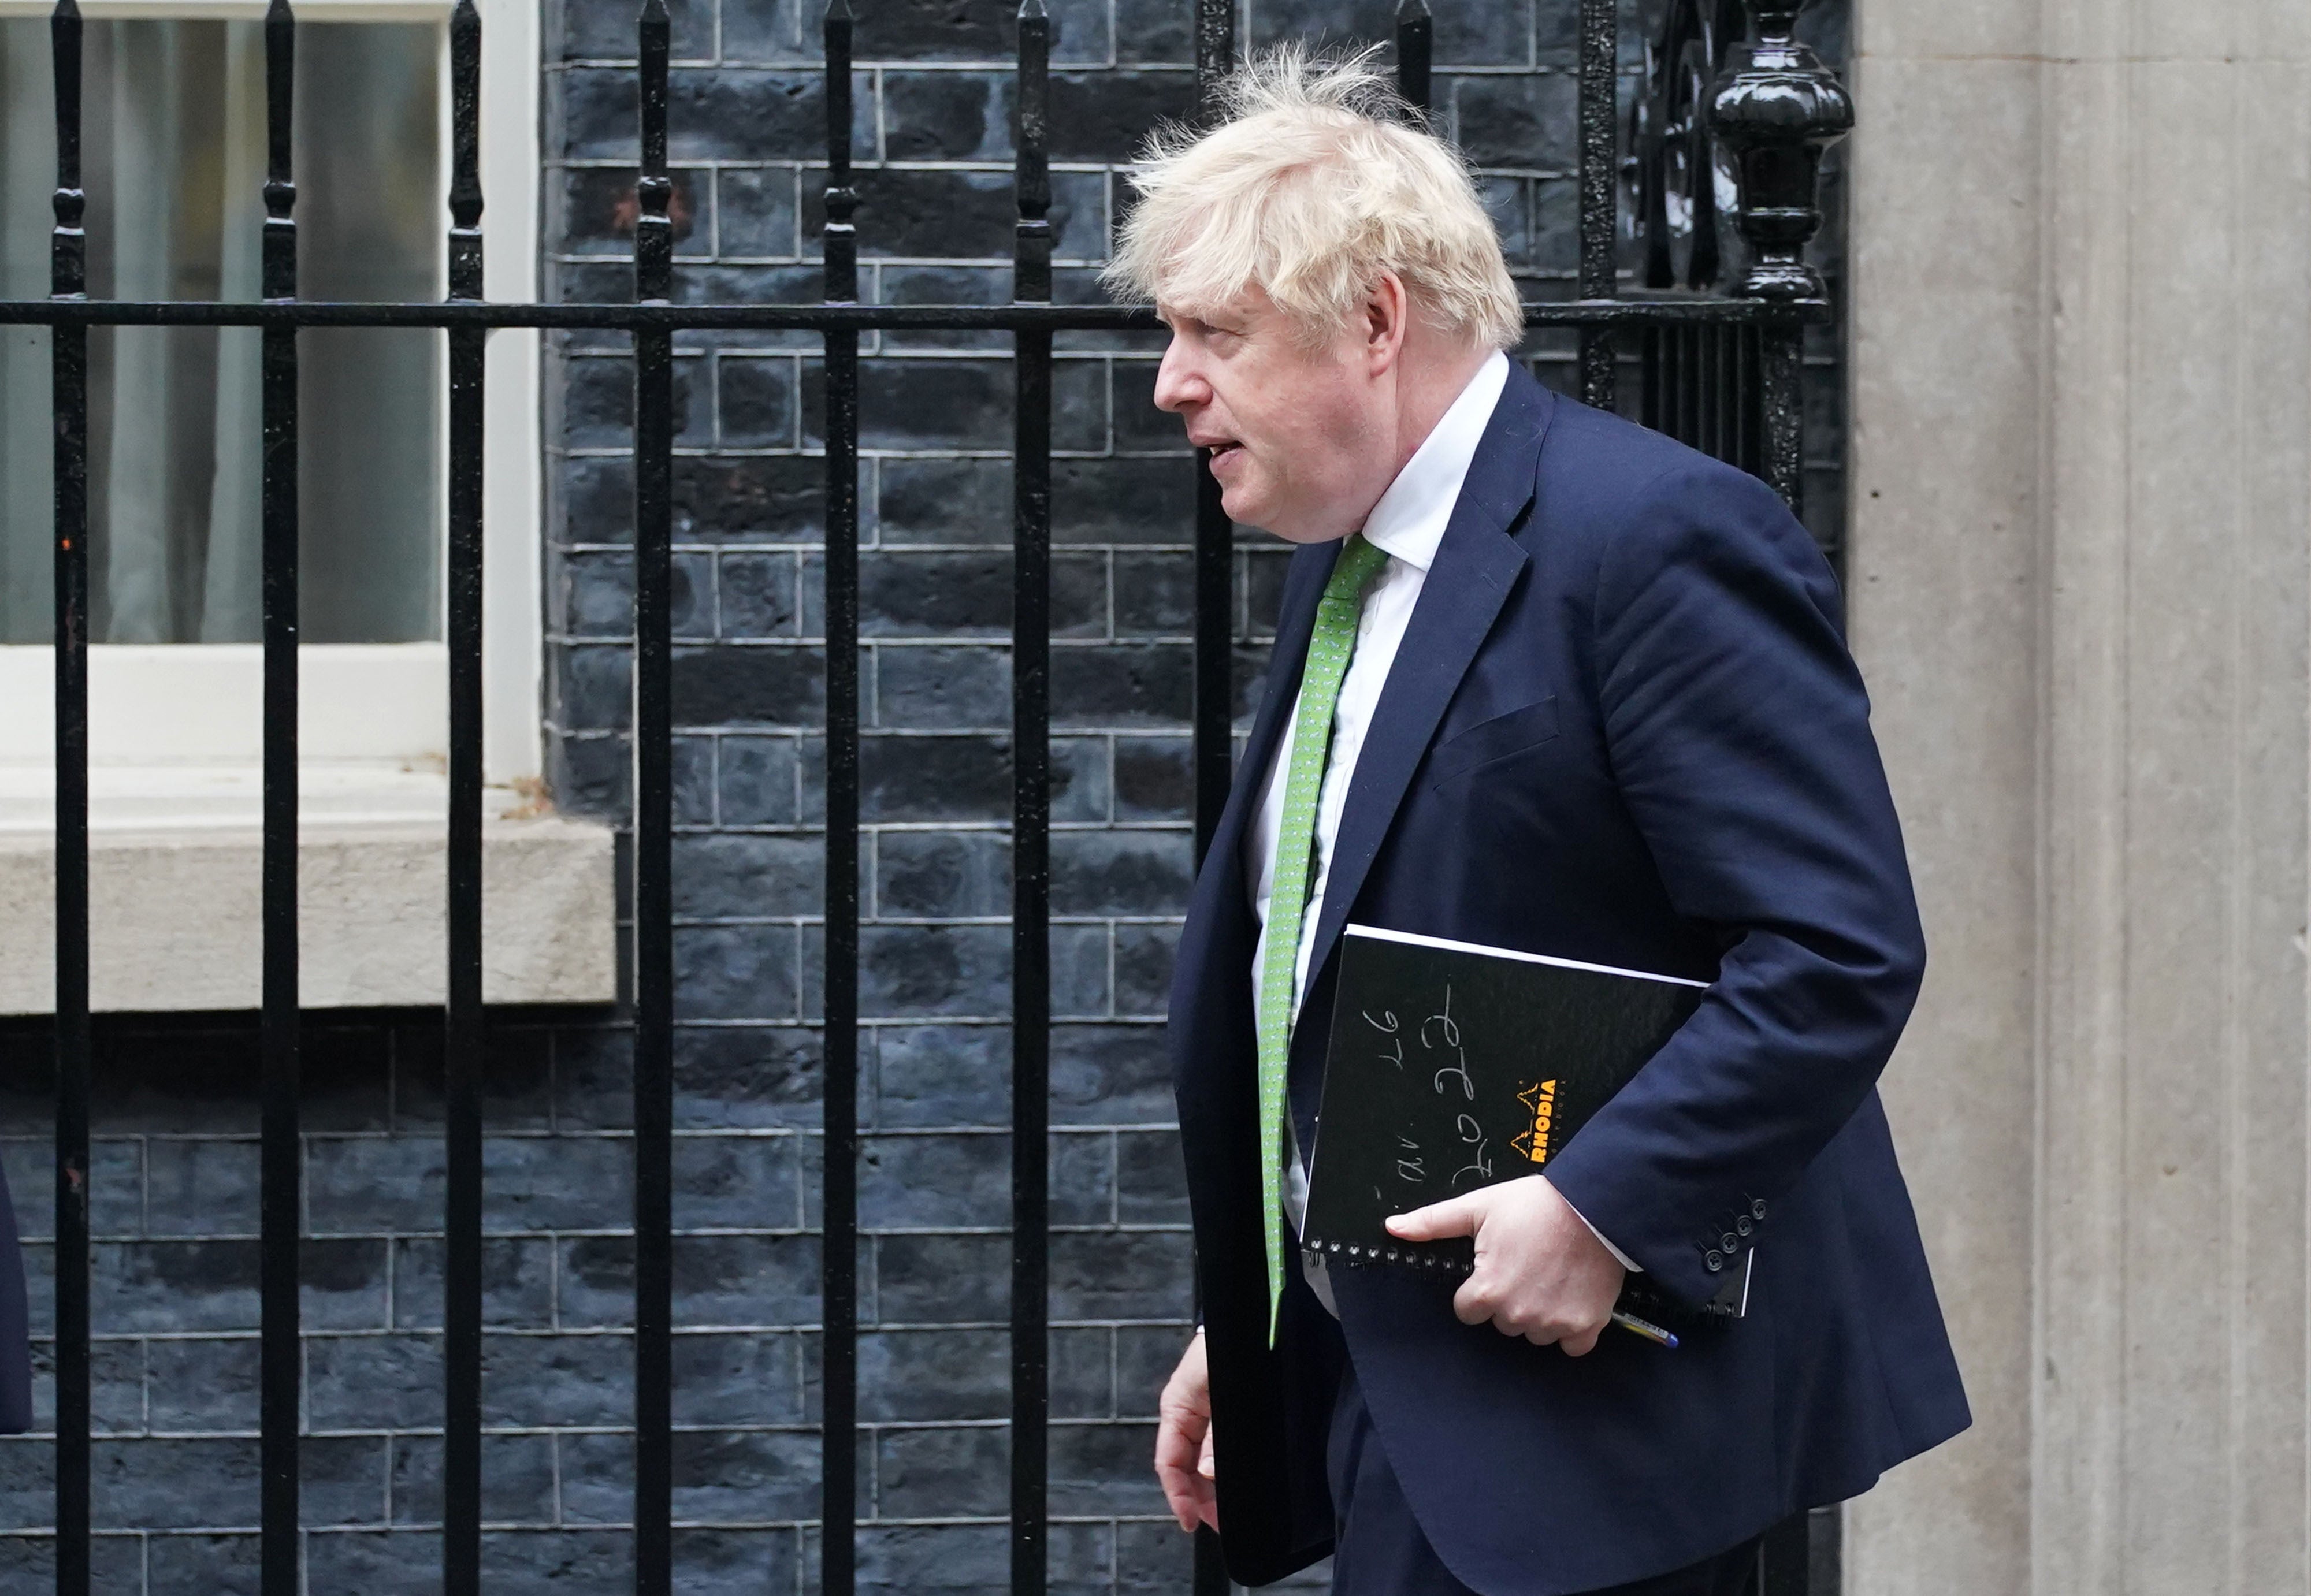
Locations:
{"points": [[1224, 449]]}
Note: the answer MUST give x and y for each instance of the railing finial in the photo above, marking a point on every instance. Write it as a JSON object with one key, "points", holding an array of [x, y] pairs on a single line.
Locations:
{"points": [[1776, 115]]}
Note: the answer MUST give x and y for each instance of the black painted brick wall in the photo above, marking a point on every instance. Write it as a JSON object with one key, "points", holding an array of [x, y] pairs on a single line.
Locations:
{"points": [[175, 1173]]}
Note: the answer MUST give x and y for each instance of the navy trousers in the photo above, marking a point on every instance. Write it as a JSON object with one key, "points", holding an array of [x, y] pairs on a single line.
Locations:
{"points": [[1380, 1550]]}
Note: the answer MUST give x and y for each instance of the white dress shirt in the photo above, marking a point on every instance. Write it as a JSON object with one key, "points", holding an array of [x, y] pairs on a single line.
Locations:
{"points": [[1406, 525]]}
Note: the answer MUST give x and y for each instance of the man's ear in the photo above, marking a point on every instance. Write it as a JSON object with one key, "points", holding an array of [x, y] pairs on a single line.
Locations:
{"points": [[1385, 311]]}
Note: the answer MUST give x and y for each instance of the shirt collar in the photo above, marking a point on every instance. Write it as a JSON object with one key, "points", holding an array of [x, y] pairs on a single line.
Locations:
{"points": [[1409, 521]]}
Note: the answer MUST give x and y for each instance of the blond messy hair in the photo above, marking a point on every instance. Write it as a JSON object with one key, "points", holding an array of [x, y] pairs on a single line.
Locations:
{"points": [[1318, 178]]}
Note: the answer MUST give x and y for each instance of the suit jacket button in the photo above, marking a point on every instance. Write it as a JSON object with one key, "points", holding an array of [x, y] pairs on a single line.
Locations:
{"points": [[1742, 1225], [1714, 1261], [1758, 1207]]}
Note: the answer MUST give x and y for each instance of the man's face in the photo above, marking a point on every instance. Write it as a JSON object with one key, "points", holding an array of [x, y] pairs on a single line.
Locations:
{"points": [[1302, 440]]}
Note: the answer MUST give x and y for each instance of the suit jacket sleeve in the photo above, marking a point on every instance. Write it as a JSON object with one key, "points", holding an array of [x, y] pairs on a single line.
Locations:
{"points": [[1739, 736]]}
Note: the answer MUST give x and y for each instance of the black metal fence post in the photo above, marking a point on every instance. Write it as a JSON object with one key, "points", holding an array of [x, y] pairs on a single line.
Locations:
{"points": [[280, 1352], [653, 734], [1031, 821], [1600, 61], [839, 1203], [68, 353], [461, 1322], [1775, 114]]}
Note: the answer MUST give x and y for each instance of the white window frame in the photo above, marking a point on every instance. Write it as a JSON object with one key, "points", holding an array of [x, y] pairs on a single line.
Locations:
{"points": [[197, 702]]}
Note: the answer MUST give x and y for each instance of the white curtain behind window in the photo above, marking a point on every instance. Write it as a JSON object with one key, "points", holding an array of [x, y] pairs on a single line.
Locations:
{"points": [[173, 159]]}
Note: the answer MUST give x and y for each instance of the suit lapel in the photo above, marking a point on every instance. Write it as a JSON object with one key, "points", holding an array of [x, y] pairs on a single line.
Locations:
{"points": [[1476, 565]]}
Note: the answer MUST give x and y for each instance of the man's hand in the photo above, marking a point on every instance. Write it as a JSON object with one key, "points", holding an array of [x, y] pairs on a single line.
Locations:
{"points": [[1541, 1273], [1184, 1441]]}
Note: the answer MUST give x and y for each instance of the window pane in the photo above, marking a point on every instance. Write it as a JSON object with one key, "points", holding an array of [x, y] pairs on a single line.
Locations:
{"points": [[174, 162]]}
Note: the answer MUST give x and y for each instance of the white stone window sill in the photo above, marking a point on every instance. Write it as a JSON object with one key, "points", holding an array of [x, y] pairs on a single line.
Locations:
{"points": [[174, 877]]}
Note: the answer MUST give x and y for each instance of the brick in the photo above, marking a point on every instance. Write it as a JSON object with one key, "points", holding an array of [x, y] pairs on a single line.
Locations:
{"points": [[1145, 1358], [1103, 1468], [909, 594], [212, 1565], [516, 1478], [204, 1385], [590, 688], [557, 1562], [1143, 969], [942, 1075], [757, 498], [735, 973], [934, 1181], [916, 1376], [942, 873], [1121, 872], [1155, 595], [769, 30], [343, 1478], [736, 1182], [1155, 778], [1346, 23], [1139, 425], [596, 30], [736, 1562], [1120, 1274], [749, 686], [1153, 1557], [943, 689], [922, 778], [517, 1281], [1135, 685], [594, 209], [908, 971], [744, 875], [597, 410], [170, 1285], [1110, 1075], [725, 1279], [969, 30], [946, 116], [711, 114], [749, 1378], [1151, 1183], [373, 1381], [1527, 123], [756, 211], [746, 1077], [1081, 958], [1153, 30], [561, 1379], [1082, 1179], [536, 1184], [587, 775], [923, 1472], [737, 1476], [941, 1279], [756, 780], [694, 781], [173, 1483], [758, 596], [1123, 501], [950, 1557], [373, 1183], [757, 400], [933, 501], [1083, 1373], [1105, 116]]}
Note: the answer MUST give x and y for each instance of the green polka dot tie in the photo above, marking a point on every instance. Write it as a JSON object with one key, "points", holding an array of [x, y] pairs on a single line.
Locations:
{"points": [[1328, 647]]}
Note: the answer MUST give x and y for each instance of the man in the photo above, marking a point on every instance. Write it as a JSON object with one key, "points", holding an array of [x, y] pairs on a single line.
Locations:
{"points": [[1545, 681]]}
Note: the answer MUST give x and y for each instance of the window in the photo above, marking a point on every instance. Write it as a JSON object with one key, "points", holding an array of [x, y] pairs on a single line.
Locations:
{"points": [[174, 136]]}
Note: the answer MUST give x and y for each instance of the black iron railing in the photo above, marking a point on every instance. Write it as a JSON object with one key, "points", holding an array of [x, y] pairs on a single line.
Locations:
{"points": [[1721, 372]]}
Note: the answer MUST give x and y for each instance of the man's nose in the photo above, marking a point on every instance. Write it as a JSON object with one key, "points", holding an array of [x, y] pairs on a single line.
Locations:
{"points": [[1177, 383]]}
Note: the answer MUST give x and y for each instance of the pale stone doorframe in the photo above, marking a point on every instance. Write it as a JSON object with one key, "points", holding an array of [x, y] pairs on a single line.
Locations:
{"points": [[2081, 530]]}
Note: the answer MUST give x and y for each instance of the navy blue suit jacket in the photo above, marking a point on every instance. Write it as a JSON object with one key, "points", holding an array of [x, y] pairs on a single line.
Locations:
{"points": [[1623, 728]]}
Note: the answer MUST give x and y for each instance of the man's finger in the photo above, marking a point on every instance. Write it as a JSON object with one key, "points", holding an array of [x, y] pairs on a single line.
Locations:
{"points": [[1204, 1463], [1473, 1302], [1454, 1217], [1579, 1345]]}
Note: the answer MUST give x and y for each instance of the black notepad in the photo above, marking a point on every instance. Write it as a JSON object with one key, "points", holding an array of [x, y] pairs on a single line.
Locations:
{"points": [[1452, 1067]]}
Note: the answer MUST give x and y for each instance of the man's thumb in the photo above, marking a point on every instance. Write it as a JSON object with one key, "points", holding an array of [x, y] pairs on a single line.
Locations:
{"points": [[1455, 1216]]}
